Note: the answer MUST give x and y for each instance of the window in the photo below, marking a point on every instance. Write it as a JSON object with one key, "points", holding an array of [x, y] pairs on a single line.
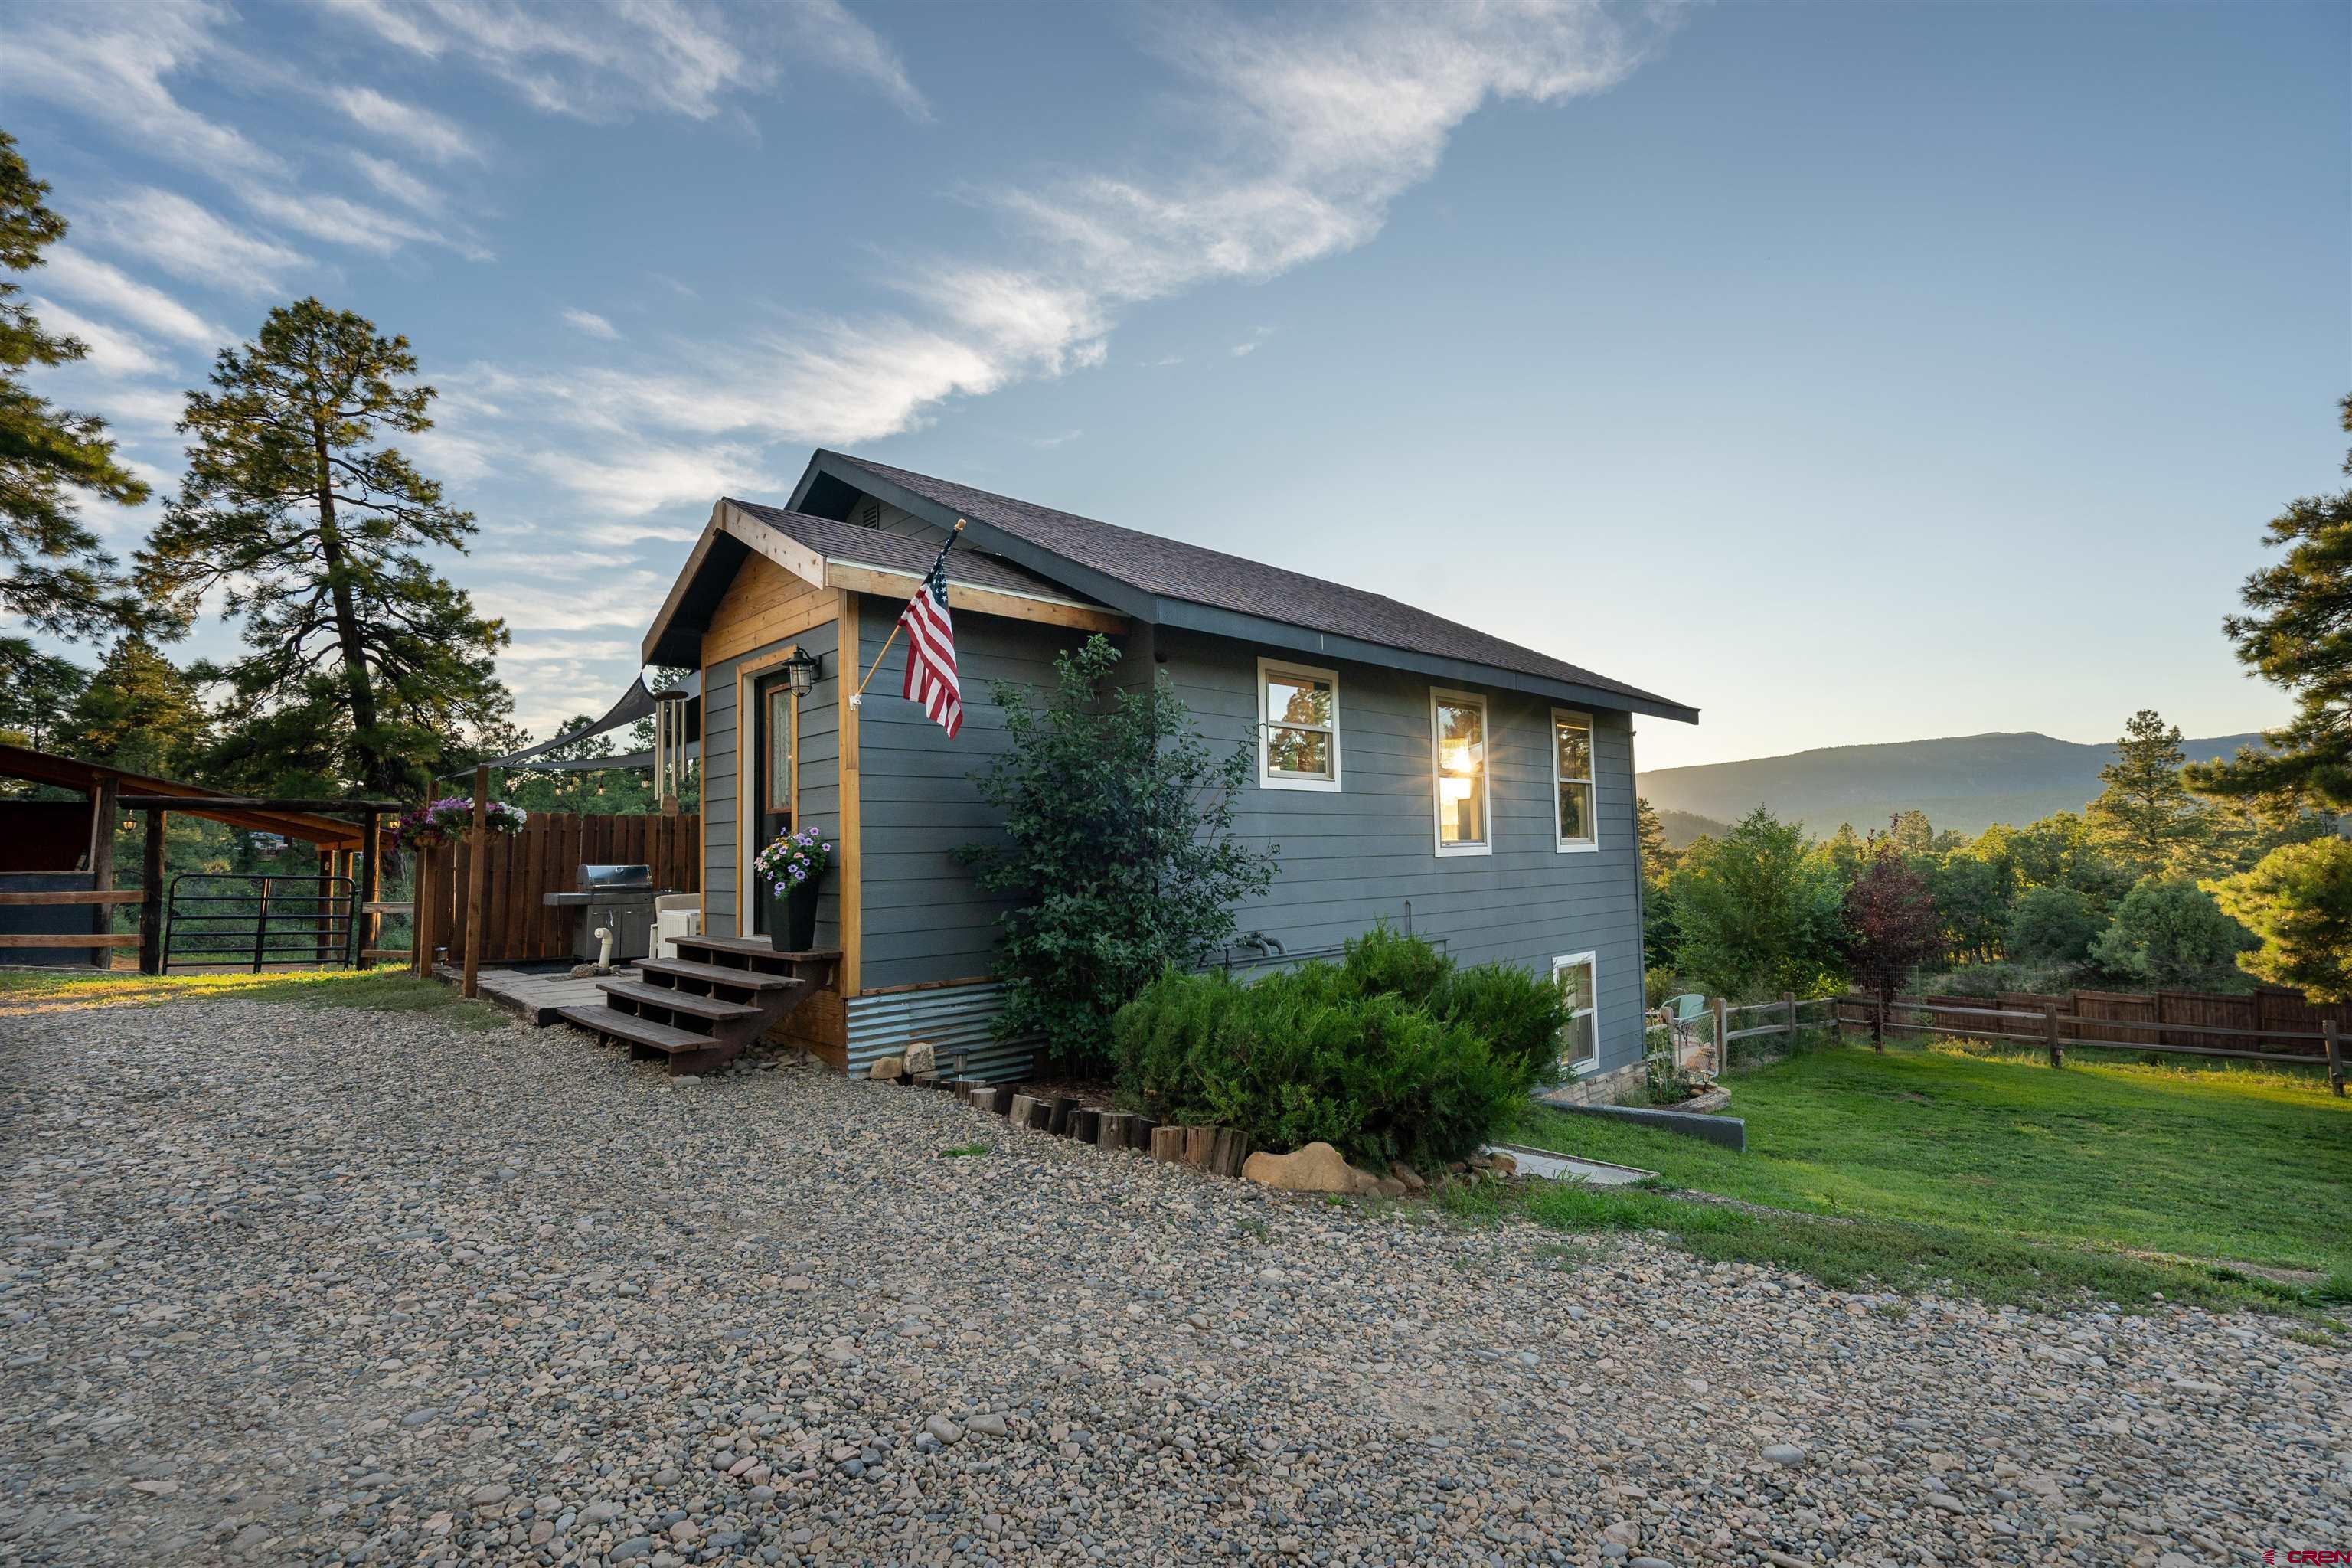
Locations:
{"points": [[779, 737], [1298, 726], [1579, 1037], [1457, 722], [1571, 777]]}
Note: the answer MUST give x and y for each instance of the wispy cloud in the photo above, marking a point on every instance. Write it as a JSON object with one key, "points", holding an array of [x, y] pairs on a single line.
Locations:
{"points": [[1320, 118], [109, 63], [110, 351], [339, 220], [99, 283], [1060, 439], [1249, 345], [421, 132], [397, 183], [594, 325], [605, 61], [167, 230]]}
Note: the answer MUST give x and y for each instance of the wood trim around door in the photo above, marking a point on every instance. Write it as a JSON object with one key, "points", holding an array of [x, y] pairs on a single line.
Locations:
{"points": [[748, 810]]}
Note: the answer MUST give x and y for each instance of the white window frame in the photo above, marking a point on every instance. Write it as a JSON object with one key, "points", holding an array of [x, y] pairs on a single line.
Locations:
{"points": [[1438, 694], [1591, 960], [1591, 782], [1267, 724]]}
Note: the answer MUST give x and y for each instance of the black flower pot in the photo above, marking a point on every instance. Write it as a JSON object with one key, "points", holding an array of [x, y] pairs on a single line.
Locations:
{"points": [[792, 920]]}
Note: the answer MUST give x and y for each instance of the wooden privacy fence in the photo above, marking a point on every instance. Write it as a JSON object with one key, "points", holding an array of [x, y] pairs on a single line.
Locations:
{"points": [[2174, 1023], [545, 857]]}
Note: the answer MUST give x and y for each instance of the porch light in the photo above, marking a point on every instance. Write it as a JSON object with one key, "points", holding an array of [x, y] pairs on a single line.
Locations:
{"points": [[801, 668]]}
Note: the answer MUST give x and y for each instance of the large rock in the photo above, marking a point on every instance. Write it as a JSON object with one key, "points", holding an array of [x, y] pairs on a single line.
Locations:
{"points": [[1318, 1168], [889, 1067], [921, 1057]]}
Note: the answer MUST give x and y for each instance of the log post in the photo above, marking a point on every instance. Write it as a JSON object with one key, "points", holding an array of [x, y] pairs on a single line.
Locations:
{"points": [[2049, 1034], [1228, 1152], [1200, 1143], [1112, 1129], [1878, 1022], [151, 896], [1083, 1123], [1140, 1131], [1722, 1036], [2335, 1057], [477, 863], [1168, 1145], [1057, 1119], [1018, 1109], [104, 789]]}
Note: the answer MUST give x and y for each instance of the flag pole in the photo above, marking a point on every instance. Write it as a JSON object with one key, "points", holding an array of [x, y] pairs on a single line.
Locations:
{"points": [[857, 697]]}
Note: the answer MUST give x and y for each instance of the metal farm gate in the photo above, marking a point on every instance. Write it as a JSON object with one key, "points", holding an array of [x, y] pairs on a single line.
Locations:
{"points": [[223, 921]]}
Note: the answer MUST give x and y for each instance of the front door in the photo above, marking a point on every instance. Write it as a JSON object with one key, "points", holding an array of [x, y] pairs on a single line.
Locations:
{"points": [[771, 813]]}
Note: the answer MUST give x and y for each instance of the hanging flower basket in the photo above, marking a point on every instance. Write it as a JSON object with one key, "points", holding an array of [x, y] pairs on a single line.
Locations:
{"points": [[789, 871], [443, 821]]}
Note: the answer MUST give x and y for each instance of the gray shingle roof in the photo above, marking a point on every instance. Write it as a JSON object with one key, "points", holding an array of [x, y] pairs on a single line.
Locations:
{"points": [[902, 553], [1172, 569]]}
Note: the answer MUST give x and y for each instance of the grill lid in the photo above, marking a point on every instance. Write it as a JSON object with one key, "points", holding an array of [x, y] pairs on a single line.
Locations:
{"points": [[614, 879]]}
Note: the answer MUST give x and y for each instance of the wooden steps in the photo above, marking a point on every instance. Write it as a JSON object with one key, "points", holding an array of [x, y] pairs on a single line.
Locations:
{"points": [[677, 969], [703, 1008], [643, 998]]}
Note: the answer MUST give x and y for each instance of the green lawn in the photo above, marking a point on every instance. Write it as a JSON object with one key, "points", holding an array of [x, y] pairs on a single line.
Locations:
{"points": [[380, 990], [2011, 1179]]}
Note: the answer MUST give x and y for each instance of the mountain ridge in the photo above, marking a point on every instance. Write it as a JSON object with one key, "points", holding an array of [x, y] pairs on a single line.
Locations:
{"points": [[1962, 782]]}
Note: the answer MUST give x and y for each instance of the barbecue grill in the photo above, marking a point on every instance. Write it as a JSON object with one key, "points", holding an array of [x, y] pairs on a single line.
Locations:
{"points": [[617, 897]]}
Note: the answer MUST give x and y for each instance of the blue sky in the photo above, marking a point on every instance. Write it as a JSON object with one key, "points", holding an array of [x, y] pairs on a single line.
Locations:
{"points": [[1851, 372]]}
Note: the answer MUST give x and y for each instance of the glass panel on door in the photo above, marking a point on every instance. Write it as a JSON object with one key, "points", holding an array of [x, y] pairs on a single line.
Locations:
{"points": [[772, 799]]}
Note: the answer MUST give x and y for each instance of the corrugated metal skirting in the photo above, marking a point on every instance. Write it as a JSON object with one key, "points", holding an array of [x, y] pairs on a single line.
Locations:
{"points": [[953, 1018]]}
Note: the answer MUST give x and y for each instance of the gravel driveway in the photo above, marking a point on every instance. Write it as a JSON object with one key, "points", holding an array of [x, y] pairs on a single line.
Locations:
{"points": [[285, 1286]]}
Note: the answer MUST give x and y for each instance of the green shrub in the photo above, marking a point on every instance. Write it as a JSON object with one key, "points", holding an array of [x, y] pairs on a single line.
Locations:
{"points": [[1391, 1055]]}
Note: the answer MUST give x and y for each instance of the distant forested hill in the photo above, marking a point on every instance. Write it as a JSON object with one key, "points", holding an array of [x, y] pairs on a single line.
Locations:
{"points": [[1964, 781], [1684, 827]]}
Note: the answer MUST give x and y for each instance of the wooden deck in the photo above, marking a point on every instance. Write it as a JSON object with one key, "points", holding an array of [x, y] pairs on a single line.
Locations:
{"points": [[535, 998]]}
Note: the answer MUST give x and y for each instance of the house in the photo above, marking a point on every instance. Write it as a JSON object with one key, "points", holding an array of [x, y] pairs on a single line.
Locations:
{"points": [[1411, 768]]}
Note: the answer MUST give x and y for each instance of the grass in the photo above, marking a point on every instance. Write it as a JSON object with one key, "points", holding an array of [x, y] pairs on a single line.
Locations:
{"points": [[375, 990], [2012, 1181], [963, 1151]]}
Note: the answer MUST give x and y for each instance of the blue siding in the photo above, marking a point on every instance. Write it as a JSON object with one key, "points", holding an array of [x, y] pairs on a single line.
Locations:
{"points": [[1348, 858]]}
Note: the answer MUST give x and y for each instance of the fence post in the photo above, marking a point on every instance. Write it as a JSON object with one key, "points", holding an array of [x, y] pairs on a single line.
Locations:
{"points": [[1878, 1022], [102, 814], [151, 896], [1722, 1032], [2050, 1034], [477, 865], [2335, 1057], [1788, 1002]]}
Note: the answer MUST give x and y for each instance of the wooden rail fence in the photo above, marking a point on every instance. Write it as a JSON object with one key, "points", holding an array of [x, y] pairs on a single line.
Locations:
{"points": [[546, 858], [2171, 1023]]}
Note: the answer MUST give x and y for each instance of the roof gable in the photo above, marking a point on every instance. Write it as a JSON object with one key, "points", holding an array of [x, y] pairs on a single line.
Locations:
{"points": [[1168, 582]]}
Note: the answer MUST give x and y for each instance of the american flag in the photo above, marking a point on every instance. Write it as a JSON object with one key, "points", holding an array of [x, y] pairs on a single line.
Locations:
{"points": [[930, 648]]}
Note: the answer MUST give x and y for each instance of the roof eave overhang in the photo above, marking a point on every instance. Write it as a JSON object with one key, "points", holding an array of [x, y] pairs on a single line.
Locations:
{"points": [[1262, 630]]}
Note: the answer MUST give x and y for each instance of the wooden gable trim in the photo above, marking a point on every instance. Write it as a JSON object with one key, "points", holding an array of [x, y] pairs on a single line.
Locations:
{"points": [[860, 579]]}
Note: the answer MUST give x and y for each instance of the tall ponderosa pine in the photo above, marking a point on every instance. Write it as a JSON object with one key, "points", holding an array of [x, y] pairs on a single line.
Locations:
{"points": [[362, 659], [2296, 634], [2146, 816], [55, 577]]}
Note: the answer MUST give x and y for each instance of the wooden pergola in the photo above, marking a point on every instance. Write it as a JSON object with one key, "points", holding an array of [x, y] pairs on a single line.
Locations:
{"points": [[342, 830]]}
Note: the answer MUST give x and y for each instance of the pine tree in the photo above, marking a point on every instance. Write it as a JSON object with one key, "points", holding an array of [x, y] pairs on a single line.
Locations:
{"points": [[2296, 634], [2146, 816], [367, 664], [54, 575], [139, 713]]}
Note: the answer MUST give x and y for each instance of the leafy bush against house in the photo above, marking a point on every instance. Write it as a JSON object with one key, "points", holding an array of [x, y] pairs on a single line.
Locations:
{"points": [[1393, 1054], [1118, 849]]}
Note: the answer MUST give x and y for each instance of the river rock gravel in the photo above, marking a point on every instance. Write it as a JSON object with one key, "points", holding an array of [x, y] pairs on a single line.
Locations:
{"points": [[287, 1286]]}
